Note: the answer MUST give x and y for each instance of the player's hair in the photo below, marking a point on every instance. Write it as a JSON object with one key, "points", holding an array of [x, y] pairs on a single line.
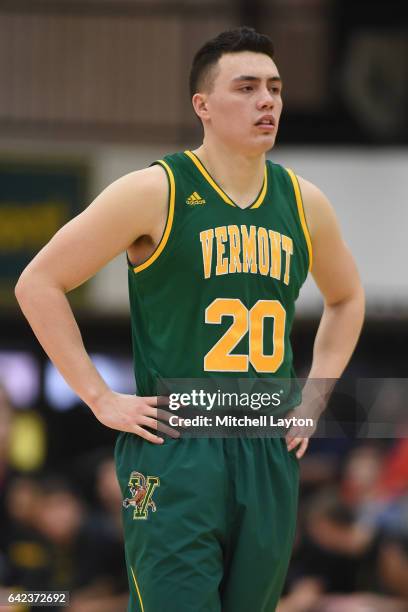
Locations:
{"points": [[230, 41]]}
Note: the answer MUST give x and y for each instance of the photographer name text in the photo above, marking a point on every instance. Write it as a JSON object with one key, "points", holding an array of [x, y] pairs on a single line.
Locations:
{"points": [[244, 421]]}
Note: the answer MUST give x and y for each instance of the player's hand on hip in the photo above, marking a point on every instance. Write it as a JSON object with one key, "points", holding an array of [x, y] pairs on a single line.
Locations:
{"points": [[304, 421], [134, 414], [302, 443], [301, 429]]}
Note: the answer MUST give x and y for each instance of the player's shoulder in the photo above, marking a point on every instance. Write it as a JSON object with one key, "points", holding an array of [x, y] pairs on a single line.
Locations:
{"points": [[311, 192], [317, 206], [138, 198], [147, 181], [144, 192]]}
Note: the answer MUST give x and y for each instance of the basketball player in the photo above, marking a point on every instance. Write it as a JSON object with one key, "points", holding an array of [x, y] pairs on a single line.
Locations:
{"points": [[219, 242]]}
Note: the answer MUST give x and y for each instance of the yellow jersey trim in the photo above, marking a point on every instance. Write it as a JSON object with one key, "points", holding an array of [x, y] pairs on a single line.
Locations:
{"points": [[222, 193], [262, 194], [302, 216], [208, 178], [169, 222], [137, 589]]}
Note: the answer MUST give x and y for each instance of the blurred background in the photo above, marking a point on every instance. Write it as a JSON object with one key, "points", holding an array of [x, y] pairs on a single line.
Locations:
{"points": [[93, 89]]}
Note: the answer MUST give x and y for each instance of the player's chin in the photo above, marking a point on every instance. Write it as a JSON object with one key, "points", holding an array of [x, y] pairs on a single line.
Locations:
{"points": [[263, 143], [268, 137]]}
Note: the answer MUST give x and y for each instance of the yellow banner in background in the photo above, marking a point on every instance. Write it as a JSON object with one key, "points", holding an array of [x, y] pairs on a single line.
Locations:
{"points": [[37, 197]]}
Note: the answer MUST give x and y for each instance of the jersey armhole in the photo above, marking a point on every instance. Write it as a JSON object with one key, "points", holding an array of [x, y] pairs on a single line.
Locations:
{"points": [[169, 222], [302, 216]]}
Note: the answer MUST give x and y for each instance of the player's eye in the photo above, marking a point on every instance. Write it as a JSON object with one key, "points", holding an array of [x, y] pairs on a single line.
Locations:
{"points": [[247, 88]]}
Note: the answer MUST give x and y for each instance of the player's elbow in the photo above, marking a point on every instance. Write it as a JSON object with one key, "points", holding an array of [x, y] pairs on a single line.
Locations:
{"points": [[23, 286], [32, 281], [351, 303], [354, 296], [360, 295], [357, 298], [356, 305], [360, 301]]}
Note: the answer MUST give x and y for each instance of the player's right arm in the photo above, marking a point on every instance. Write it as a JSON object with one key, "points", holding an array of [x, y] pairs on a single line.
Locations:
{"points": [[133, 206]]}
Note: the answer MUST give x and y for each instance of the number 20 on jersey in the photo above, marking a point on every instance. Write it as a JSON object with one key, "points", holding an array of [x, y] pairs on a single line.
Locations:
{"points": [[219, 357]]}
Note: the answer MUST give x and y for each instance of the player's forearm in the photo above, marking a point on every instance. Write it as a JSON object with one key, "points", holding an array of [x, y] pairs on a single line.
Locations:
{"points": [[337, 336], [50, 316]]}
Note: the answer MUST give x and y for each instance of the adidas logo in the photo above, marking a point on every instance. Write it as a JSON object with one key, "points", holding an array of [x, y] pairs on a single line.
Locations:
{"points": [[195, 199]]}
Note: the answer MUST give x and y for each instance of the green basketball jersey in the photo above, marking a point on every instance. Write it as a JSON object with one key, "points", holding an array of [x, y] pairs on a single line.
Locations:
{"points": [[217, 296]]}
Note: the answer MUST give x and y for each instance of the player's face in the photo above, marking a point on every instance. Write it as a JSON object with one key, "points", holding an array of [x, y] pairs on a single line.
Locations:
{"points": [[245, 103]]}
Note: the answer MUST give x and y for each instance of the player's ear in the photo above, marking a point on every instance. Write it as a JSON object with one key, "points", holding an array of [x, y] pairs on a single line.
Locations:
{"points": [[199, 101]]}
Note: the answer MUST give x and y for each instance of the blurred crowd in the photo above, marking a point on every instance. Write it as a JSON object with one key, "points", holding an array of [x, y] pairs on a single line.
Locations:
{"points": [[62, 531], [351, 549]]}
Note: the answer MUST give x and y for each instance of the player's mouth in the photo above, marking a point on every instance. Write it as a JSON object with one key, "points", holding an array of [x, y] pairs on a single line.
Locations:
{"points": [[266, 123]]}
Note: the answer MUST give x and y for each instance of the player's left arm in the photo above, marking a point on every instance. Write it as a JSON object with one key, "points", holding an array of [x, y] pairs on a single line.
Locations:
{"points": [[336, 275]]}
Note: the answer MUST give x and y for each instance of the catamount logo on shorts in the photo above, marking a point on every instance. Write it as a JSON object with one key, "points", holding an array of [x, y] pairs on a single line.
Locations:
{"points": [[141, 489]]}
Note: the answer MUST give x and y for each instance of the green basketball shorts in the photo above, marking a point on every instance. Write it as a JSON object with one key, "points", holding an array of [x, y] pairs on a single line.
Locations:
{"points": [[209, 523]]}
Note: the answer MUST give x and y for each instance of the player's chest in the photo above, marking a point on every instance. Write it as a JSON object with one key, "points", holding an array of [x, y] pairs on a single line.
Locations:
{"points": [[240, 243]]}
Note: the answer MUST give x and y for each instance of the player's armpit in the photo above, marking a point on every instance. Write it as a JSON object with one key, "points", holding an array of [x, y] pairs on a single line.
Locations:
{"points": [[127, 209], [334, 268]]}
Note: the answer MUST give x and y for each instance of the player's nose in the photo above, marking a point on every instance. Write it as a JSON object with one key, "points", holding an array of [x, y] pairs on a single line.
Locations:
{"points": [[266, 99]]}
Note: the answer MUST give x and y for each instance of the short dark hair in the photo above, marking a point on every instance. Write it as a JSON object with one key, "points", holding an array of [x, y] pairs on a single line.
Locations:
{"points": [[230, 41]]}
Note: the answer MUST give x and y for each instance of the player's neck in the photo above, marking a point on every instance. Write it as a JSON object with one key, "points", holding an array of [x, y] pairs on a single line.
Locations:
{"points": [[240, 176]]}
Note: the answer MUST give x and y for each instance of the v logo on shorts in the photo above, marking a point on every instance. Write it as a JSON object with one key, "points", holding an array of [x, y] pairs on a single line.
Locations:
{"points": [[141, 490]]}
